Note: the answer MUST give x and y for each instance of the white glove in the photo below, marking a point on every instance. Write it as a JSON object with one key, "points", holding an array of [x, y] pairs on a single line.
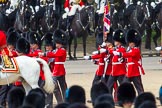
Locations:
{"points": [[36, 8], [66, 10], [158, 48], [153, 4], [116, 53], [87, 57], [97, 11], [95, 52], [103, 44], [103, 50]]}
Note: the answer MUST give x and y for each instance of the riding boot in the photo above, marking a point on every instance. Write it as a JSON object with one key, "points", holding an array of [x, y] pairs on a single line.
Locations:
{"points": [[90, 32], [68, 22]]}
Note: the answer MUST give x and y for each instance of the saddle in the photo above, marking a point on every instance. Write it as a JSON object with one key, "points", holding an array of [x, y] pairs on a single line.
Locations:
{"points": [[9, 65]]}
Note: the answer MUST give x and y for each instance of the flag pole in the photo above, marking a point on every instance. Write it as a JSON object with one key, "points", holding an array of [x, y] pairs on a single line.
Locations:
{"points": [[104, 28]]}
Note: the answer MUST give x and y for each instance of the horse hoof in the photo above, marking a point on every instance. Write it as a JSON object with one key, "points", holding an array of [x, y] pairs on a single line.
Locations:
{"points": [[75, 58], [71, 58]]}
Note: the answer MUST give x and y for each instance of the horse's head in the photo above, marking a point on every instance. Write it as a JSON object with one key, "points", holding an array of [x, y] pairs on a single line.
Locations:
{"points": [[90, 11], [23, 16]]}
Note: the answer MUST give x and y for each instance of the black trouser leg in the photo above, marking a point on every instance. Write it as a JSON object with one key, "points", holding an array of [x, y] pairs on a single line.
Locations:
{"points": [[49, 100], [57, 91], [3, 94], [120, 78], [138, 84], [63, 85], [96, 79], [110, 83]]}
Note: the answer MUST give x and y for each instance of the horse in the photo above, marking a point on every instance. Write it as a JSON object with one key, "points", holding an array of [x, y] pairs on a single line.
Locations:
{"points": [[29, 70], [3, 22], [78, 28], [149, 14], [23, 17], [158, 14], [117, 14], [45, 20]]}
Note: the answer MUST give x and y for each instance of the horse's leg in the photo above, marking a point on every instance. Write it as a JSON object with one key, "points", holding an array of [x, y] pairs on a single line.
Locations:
{"points": [[155, 38], [69, 51], [26, 86], [84, 44], [148, 38], [75, 47]]}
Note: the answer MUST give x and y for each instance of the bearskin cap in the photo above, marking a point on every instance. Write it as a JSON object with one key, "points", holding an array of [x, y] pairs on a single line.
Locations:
{"points": [[49, 39], [119, 35], [110, 36], [12, 38], [126, 93], [23, 46], [34, 38], [60, 37], [133, 36]]}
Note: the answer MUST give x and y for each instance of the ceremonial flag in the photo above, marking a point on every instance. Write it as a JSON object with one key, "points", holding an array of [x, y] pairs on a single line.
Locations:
{"points": [[107, 17]]}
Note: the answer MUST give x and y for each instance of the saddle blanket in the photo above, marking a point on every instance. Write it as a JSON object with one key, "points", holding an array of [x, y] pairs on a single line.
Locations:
{"points": [[9, 65]]}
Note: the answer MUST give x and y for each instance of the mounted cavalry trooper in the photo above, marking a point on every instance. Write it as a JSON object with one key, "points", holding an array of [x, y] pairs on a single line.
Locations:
{"points": [[100, 10], [58, 71], [13, 5], [70, 7]]}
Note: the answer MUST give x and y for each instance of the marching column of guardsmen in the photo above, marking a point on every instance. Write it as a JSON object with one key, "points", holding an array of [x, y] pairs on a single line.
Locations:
{"points": [[13, 44], [120, 64]]}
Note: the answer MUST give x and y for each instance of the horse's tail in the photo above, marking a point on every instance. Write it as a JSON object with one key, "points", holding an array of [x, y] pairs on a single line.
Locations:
{"points": [[49, 85]]}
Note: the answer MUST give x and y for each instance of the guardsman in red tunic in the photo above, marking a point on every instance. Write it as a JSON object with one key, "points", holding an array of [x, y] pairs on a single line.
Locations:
{"points": [[118, 62], [49, 47], [101, 64], [59, 70], [133, 56], [35, 48], [12, 38]]}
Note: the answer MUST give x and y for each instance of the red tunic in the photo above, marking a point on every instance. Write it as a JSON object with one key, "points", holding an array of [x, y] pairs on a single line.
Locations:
{"points": [[60, 56], [109, 66], [68, 5], [134, 67], [118, 68], [101, 63]]}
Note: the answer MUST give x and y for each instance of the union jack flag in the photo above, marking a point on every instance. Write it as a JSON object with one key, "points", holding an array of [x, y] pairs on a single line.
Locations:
{"points": [[107, 17]]}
